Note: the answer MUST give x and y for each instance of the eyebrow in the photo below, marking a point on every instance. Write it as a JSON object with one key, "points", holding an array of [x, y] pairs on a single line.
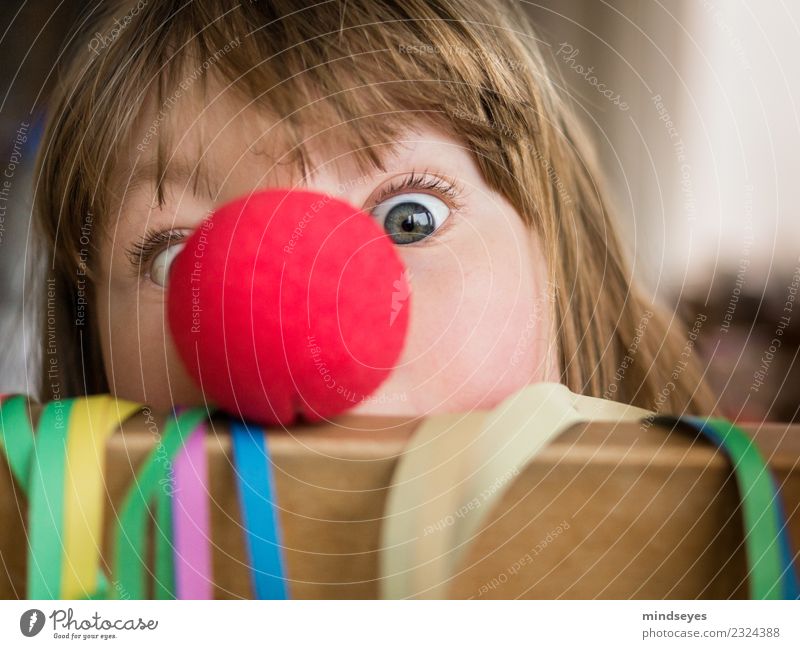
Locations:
{"points": [[181, 171], [176, 172]]}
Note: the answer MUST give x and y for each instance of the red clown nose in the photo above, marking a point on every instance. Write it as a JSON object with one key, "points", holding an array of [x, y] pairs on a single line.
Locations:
{"points": [[288, 304]]}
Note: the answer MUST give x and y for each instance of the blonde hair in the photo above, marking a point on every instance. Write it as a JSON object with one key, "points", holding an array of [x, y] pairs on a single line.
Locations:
{"points": [[471, 68]]}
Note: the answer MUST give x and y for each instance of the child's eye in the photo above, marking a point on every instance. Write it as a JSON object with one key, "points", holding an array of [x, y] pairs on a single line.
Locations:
{"points": [[408, 218], [159, 267], [152, 256]]}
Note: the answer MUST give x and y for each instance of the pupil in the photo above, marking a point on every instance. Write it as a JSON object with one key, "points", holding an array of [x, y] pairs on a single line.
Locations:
{"points": [[409, 222]]}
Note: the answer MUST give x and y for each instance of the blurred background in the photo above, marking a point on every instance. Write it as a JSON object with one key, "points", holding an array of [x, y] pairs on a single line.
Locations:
{"points": [[693, 105]]}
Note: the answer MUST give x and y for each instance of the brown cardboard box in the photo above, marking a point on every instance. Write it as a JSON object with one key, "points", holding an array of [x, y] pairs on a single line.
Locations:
{"points": [[606, 511]]}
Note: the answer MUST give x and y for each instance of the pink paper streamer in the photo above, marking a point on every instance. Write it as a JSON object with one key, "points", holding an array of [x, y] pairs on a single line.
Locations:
{"points": [[190, 519]]}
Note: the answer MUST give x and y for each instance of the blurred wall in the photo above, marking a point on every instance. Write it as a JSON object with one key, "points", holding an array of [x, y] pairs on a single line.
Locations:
{"points": [[703, 161], [31, 37]]}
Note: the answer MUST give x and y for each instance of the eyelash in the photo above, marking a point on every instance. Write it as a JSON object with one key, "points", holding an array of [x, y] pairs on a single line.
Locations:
{"points": [[151, 243], [154, 241], [447, 189]]}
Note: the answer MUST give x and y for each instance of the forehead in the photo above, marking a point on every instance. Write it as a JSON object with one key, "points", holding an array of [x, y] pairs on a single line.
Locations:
{"points": [[292, 92], [212, 130], [216, 143]]}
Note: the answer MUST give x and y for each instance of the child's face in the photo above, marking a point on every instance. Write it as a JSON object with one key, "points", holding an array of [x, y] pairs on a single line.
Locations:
{"points": [[481, 317]]}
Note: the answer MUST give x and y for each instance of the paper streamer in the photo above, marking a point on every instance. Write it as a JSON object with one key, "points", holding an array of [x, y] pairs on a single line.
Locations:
{"points": [[759, 506], [767, 548], [18, 442], [163, 538], [424, 502], [259, 516], [191, 520], [491, 456], [16, 437], [153, 482], [46, 503], [92, 421]]}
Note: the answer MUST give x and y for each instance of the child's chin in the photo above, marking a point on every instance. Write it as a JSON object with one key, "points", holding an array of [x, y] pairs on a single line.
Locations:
{"points": [[385, 405], [393, 405]]}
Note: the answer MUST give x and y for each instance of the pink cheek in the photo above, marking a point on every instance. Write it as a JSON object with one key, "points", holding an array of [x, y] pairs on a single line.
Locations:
{"points": [[478, 361]]}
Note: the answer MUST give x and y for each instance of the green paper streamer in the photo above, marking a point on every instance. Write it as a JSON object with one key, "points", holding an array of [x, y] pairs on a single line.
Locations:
{"points": [[46, 502], [17, 441], [758, 510], [132, 531], [16, 438], [165, 564]]}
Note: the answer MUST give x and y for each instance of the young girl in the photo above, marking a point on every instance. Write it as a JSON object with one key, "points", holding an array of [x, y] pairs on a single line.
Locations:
{"points": [[437, 117]]}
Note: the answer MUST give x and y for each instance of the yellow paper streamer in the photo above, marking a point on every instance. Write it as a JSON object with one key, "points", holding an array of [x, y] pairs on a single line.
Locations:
{"points": [[451, 500], [423, 503], [93, 420]]}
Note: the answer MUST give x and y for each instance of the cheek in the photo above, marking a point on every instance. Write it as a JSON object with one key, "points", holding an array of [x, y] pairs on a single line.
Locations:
{"points": [[480, 327], [140, 360]]}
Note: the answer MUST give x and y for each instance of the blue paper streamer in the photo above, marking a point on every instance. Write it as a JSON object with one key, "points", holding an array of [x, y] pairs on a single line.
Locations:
{"points": [[256, 497]]}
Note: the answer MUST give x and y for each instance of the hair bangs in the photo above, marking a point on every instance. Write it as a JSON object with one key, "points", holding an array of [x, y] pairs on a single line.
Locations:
{"points": [[326, 76]]}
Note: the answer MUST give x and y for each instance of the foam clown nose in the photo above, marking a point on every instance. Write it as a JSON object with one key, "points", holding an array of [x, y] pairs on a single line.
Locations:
{"points": [[288, 304]]}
